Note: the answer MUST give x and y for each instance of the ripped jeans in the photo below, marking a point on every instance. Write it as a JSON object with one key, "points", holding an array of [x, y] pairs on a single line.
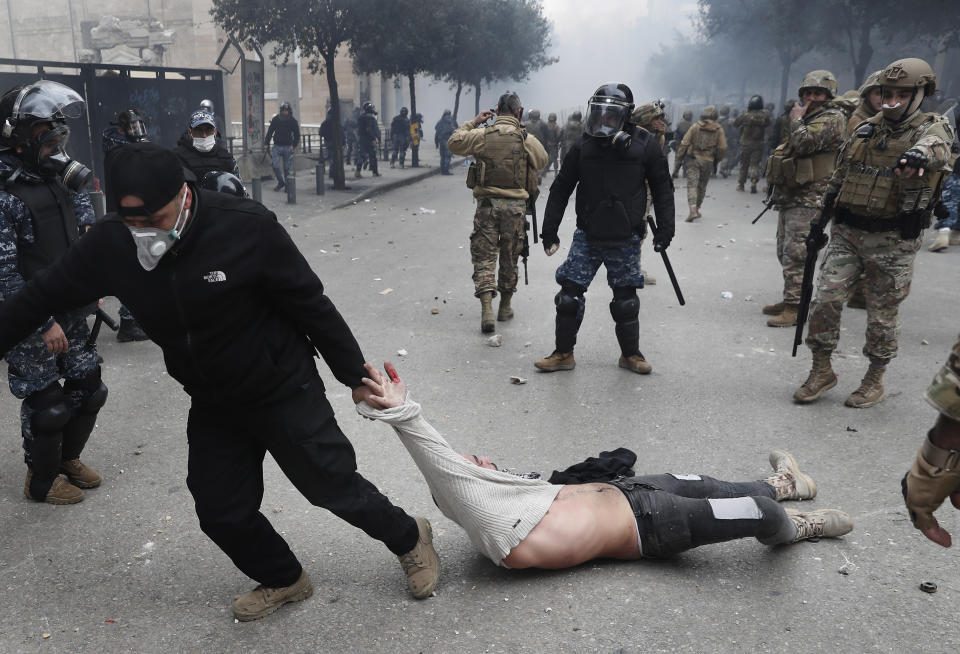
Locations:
{"points": [[676, 513]]}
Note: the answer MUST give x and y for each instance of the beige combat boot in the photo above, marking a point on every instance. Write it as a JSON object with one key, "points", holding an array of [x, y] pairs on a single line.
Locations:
{"points": [[822, 523], [774, 309], [61, 492], [505, 311], [262, 601], [788, 482], [635, 363], [556, 361], [421, 564], [821, 379], [871, 389], [486, 312], [787, 318], [694, 214], [79, 474], [941, 241], [740, 188]]}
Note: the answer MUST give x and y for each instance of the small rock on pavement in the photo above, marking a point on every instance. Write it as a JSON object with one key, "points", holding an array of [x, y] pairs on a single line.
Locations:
{"points": [[402, 352], [515, 379], [495, 341], [434, 310]]}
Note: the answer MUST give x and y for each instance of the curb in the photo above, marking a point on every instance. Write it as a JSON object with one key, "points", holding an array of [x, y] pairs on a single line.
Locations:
{"points": [[390, 186]]}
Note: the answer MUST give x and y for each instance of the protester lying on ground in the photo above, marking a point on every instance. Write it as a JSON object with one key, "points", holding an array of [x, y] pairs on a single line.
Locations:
{"points": [[519, 522]]}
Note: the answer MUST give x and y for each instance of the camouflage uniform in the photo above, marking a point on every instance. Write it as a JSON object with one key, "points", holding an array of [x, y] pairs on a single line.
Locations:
{"points": [[944, 392], [950, 197], [31, 368], [732, 134], [816, 136], [552, 144], [886, 257], [752, 125], [703, 145], [572, 133], [539, 129]]}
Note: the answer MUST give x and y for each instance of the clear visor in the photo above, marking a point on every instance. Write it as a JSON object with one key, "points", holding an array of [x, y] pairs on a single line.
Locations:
{"points": [[54, 139], [46, 99], [136, 129], [604, 119]]}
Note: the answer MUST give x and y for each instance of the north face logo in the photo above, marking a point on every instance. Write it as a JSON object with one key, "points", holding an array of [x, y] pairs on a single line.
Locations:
{"points": [[215, 276]]}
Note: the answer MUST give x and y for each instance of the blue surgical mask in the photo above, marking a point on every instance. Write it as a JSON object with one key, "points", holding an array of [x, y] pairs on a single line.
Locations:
{"points": [[153, 243]]}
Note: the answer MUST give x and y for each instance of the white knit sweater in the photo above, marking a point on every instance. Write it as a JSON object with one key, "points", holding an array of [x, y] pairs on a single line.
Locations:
{"points": [[496, 509]]}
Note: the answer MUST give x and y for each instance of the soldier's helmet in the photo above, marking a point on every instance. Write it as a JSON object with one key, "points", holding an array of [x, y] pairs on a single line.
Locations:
{"points": [[131, 123], [708, 113], [534, 114], [576, 116], [368, 108], [725, 110], [819, 79], [224, 182], [608, 110], [404, 111], [552, 118], [872, 82], [911, 73], [646, 113], [756, 102], [848, 102], [687, 114]]}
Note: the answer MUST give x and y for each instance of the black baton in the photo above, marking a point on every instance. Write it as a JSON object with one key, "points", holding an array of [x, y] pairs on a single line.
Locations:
{"points": [[666, 262], [101, 318]]}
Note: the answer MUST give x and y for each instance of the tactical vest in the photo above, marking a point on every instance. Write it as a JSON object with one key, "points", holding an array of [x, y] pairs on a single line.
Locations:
{"points": [[202, 163], [503, 159], [612, 193], [870, 188], [54, 224], [705, 141], [791, 172], [754, 127]]}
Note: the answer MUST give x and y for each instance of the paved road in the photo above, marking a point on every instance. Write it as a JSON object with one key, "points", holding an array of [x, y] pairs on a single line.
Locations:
{"points": [[128, 570]]}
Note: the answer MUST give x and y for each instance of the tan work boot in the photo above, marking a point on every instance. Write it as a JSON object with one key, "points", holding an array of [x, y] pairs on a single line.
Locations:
{"points": [[556, 361], [740, 188], [789, 482], [635, 363], [421, 564], [505, 311], [774, 309], [262, 601], [62, 491], [486, 312], [821, 379], [941, 241], [694, 214], [822, 523], [787, 318], [871, 389], [79, 474]]}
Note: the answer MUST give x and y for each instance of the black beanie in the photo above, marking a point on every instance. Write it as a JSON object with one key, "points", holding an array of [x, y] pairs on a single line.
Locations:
{"points": [[148, 171]]}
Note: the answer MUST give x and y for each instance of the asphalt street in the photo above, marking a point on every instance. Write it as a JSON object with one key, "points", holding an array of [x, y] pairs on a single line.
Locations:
{"points": [[128, 569]]}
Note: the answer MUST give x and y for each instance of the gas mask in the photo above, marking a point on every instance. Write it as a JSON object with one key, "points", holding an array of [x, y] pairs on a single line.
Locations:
{"points": [[206, 143], [607, 120], [47, 151]]}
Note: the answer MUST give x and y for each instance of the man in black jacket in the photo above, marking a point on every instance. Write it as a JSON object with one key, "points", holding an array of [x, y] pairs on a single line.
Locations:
{"points": [[203, 154], [219, 285], [609, 166], [285, 132]]}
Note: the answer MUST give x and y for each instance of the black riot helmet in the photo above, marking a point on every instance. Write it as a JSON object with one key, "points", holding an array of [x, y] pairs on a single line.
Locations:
{"points": [[756, 102], [285, 106], [131, 123], [224, 182], [368, 108], [404, 111], [608, 112], [207, 105]]}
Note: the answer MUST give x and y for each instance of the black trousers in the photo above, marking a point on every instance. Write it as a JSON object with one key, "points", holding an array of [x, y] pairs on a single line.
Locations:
{"points": [[675, 513], [225, 476]]}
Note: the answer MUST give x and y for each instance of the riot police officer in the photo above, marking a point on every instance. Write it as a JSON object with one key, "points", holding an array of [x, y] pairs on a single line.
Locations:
{"points": [[368, 139], [43, 211], [609, 168]]}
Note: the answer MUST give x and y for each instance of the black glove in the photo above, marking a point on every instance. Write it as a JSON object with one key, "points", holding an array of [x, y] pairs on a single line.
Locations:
{"points": [[912, 158], [661, 241]]}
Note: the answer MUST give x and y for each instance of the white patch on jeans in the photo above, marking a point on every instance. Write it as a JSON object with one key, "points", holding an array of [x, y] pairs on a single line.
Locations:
{"points": [[685, 477], [735, 508]]}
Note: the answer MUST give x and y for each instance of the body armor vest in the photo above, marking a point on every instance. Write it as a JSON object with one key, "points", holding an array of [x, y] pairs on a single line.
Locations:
{"points": [[870, 188], [706, 140], [788, 171], [201, 163], [754, 127], [54, 224], [612, 192], [503, 161]]}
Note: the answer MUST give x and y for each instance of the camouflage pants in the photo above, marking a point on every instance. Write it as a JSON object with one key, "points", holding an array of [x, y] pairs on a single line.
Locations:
{"points": [[698, 174], [886, 261], [793, 226], [498, 227], [944, 391], [750, 163]]}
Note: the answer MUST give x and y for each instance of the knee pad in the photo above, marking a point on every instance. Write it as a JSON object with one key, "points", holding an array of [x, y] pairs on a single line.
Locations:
{"points": [[625, 305], [50, 410], [569, 300], [92, 391]]}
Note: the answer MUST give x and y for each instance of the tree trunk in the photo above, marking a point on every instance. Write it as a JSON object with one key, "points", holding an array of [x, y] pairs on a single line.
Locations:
{"points": [[456, 102], [339, 183], [476, 98], [413, 94], [862, 58], [786, 61]]}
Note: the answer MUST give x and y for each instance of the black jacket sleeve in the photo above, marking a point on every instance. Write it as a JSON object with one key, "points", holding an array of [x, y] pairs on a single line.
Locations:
{"points": [[661, 188], [297, 292], [270, 131], [563, 185]]}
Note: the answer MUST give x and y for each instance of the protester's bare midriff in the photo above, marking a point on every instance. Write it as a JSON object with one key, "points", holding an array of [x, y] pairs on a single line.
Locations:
{"points": [[585, 521]]}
